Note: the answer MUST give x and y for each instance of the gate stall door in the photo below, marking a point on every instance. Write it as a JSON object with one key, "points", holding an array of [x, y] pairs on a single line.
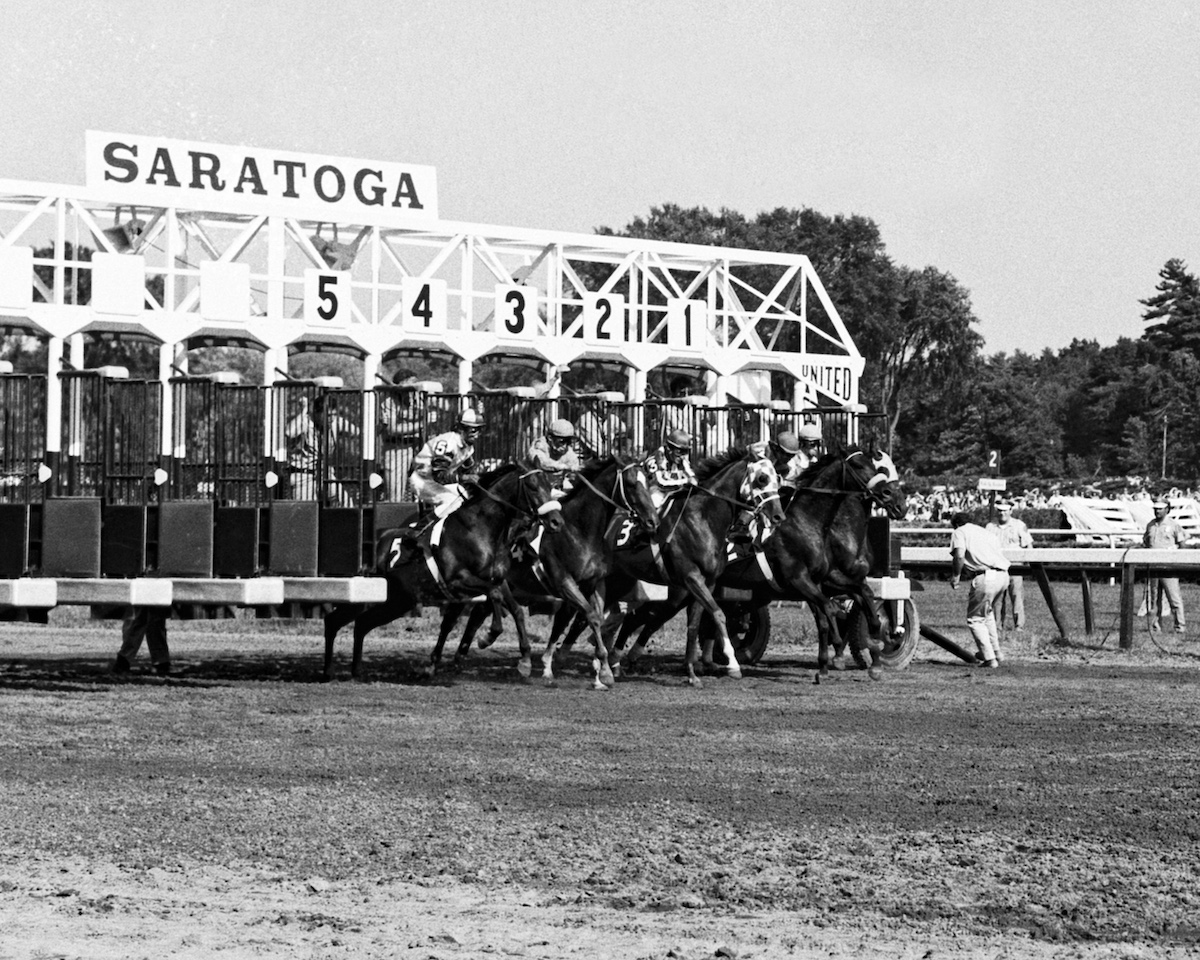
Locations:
{"points": [[346, 494], [22, 450], [209, 517], [401, 429]]}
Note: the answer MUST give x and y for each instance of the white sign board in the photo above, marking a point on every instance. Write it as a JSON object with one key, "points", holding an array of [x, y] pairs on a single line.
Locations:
{"points": [[603, 318], [224, 290], [993, 483], [516, 311], [118, 284], [423, 305], [327, 297], [687, 324], [16, 277], [157, 171]]}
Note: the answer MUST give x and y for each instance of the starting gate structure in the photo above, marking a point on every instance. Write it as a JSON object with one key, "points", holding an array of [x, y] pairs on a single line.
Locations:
{"points": [[199, 245]]}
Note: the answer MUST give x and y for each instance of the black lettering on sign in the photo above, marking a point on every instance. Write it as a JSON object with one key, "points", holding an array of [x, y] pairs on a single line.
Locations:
{"points": [[606, 310], [515, 323], [205, 165], [122, 163], [249, 174], [162, 167], [327, 295], [318, 184]]}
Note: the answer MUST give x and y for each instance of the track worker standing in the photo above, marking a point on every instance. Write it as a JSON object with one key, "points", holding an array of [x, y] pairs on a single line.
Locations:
{"points": [[150, 624], [1163, 533], [976, 553], [1011, 532]]}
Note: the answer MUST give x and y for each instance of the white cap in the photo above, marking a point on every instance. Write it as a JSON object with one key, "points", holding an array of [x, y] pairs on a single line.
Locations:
{"points": [[1160, 505]]}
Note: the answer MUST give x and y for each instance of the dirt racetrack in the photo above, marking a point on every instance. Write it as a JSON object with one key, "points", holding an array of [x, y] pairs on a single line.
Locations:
{"points": [[243, 809]]}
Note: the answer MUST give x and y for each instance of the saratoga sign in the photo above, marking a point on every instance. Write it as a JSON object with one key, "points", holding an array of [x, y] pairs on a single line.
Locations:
{"points": [[134, 169]]}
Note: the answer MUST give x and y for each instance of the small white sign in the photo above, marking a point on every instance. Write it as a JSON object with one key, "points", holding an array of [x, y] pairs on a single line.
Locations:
{"points": [[687, 324], [224, 291], [424, 305], [327, 297], [516, 311], [603, 318], [993, 483], [16, 277], [119, 284]]}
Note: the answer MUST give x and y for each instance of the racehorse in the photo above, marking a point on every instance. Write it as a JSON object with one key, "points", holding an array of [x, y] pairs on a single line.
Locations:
{"points": [[690, 551], [820, 551], [571, 563], [463, 556]]}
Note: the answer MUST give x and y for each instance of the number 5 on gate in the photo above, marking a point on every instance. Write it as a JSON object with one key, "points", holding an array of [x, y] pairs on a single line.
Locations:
{"points": [[327, 297], [603, 318]]}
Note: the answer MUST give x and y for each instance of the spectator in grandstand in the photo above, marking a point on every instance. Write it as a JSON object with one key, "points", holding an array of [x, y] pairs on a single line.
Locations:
{"points": [[669, 468], [1010, 532], [149, 624], [976, 553], [312, 434], [554, 452], [1163, 533]]}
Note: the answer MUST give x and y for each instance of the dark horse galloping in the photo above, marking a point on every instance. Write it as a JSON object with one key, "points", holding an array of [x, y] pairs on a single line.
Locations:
{"points": [[464, 556], [821, 550], [573, 561], [691, 548]]}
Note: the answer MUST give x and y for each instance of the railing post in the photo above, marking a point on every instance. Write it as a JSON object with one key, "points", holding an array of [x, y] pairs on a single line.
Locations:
{"points": [[1089, 614], [1127, 605]]}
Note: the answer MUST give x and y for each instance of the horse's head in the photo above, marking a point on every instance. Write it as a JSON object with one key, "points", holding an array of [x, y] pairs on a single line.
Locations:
{"points": [[634, 494], [536, 496], [885, 486], [760, 486], [526, 489]]}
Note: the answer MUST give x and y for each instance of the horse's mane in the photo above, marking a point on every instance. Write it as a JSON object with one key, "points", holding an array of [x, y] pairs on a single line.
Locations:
{"points": [[491, 477], [709, 467], [590, 470]]}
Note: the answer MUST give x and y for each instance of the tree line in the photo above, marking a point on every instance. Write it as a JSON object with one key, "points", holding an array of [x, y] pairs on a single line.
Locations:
{"points": [[1079, 414]]}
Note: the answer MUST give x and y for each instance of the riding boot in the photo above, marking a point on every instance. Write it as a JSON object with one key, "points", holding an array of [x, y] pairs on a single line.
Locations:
{"points": [[739, 531]]}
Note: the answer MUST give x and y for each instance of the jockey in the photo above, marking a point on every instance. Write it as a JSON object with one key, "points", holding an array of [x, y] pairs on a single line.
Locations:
{"points": [[443, 462], [791, 454], [554, 452], [669, 468]]}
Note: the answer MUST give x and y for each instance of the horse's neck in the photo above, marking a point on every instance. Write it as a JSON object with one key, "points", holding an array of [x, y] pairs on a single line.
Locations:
{"points": [[587, 510], [729, 481]]}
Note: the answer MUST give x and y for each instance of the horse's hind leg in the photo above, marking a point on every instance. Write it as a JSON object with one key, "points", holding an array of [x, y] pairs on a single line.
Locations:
{"points": [[374, 616], [509, 602], [335, 619], [450, 614]]}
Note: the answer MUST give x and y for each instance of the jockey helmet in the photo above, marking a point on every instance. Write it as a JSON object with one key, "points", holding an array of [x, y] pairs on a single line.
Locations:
{"points": [[561, 430], [679, 439], [470, 420], [787, 442], [810, 432]]}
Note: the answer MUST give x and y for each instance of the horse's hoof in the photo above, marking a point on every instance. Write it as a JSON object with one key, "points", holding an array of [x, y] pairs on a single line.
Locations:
{"points": [[484, 642], [605, 676], [695, 683], [597, 684], [874, 673], [839, 663], [734, 673], [525, 668], [549, 681]]}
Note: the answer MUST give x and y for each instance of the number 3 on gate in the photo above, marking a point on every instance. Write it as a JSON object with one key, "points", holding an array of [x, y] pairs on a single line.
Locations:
{"points": [[327, 297], [516, 311]]}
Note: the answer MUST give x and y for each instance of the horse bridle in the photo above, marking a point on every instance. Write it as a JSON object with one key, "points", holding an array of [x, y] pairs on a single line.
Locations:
{"points": [[868, 486], [618, 489], [548, 507]]}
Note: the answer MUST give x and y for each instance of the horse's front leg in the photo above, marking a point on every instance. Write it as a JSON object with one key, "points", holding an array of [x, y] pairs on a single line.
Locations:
{"points": [[592, 610], [509, 602], [335, 619], [563, 619], [474, 619], [702, 592]]}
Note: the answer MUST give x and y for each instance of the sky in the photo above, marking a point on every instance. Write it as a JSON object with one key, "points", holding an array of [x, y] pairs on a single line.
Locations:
{"points": [[1042, 152]]}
